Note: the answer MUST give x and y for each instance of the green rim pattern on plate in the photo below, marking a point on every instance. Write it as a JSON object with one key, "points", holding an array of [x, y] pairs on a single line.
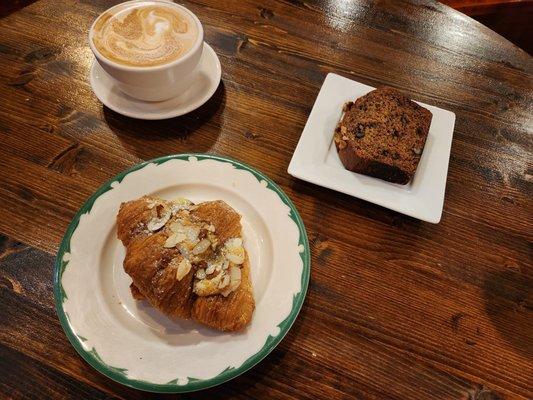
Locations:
{"points": [[193, 384]]}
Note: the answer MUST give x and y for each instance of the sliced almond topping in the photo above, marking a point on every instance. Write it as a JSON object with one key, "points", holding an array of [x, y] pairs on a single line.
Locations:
{"points": [[207, 287], [183, 269], [217, 271], [157, 223], [234, 251], [184, 250], [235, 277], [176, 227], [210, 268], [224, 282], [201, 247], [200, 274], [182, 201], [192, 233], [174, 239], [236, 256], [235, 281], [233, 243], [180, 204]]}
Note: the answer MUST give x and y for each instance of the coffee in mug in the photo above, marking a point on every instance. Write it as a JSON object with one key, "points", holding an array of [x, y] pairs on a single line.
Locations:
{"points": [[151, 49], [144, 34]]}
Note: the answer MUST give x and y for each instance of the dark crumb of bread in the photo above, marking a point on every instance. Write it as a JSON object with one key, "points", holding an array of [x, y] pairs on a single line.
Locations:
{"points": [[382, 134]]}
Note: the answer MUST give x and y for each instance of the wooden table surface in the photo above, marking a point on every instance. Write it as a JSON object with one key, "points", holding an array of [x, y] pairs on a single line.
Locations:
{"points": [[396, 308]]}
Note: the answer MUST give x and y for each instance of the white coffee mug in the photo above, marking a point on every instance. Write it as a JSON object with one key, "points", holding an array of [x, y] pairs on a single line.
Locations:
{"points": [[160, 82]]}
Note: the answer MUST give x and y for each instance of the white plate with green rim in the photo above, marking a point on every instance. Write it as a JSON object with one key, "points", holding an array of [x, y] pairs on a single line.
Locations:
{"points": [[138, 346]]}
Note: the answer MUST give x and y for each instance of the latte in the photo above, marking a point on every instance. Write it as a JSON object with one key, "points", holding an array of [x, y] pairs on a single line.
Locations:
{"points": [[144, 34]]}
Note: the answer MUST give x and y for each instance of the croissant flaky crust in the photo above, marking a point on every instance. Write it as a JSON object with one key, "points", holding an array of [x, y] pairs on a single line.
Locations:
{"points": [[187, 260]]}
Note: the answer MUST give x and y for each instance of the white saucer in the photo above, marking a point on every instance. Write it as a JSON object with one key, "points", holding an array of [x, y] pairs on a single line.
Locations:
{"points": [[207, 82]]}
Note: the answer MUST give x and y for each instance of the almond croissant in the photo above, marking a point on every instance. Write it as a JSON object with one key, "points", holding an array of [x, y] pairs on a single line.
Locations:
{"points": [[188, 260]]}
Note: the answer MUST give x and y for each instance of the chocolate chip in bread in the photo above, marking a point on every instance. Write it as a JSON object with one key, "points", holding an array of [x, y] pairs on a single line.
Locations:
{"points": [[382, 134]]}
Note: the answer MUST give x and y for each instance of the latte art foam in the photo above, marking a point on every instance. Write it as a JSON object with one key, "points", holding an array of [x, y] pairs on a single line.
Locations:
{"points": [[144, 34]]}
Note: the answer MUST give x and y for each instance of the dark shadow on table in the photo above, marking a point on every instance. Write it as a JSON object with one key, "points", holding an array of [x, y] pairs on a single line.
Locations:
{"points": [[509, 305], [150, 139], [338, 200]]}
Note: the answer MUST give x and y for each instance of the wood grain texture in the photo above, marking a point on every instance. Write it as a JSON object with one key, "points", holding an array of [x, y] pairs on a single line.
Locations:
{"points": [[396, 308]]}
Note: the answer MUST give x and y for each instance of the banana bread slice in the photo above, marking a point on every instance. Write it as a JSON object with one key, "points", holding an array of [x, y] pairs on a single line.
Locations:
{"points": [[382, 134]]}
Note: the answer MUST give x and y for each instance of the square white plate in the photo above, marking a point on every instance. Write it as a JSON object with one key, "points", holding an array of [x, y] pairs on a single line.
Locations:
{"points": [[315, 159]]}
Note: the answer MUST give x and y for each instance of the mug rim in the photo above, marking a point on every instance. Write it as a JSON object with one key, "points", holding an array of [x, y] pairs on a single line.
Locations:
{"points": [[199, 42]]}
